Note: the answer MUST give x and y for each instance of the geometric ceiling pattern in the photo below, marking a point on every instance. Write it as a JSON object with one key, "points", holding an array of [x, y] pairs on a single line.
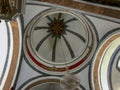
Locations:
{"points": [[55, 40]]}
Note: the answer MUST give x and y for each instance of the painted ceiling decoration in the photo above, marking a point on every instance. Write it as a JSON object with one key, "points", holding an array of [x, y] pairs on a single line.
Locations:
{"points": [[105, 70], [10, 52], [51, 47], [57, 37]]}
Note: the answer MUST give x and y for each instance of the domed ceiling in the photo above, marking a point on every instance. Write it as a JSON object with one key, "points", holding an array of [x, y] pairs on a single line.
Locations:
{"points": [[57, 39], [61, 45]]}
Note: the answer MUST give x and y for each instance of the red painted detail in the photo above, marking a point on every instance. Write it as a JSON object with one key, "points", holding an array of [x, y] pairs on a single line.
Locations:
{"points": [[51, 68], [34, 60], [77, 64], [64, 68]]}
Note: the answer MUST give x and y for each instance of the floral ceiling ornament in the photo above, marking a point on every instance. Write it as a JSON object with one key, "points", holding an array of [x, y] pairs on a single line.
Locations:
{"points": [[57, 28], [54, 32]]}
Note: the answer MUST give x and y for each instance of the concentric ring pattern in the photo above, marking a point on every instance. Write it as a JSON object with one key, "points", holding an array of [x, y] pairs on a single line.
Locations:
{"points": [[105, 71], [59, 38]]}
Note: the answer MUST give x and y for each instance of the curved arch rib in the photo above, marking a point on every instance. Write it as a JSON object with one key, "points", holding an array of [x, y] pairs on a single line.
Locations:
{"points": [[76, 34], [54, 49], [49, 18], [70, 20], [41, 42], [69, 47], [41, 28]]}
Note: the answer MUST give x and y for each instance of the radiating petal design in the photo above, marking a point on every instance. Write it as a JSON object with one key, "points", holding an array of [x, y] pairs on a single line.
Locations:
{"points": [[76, 34], [69, 47], [41, 42], [70, 20], [59, 16], [49, 18], [54, 50], [41, 28], [55, 39]]}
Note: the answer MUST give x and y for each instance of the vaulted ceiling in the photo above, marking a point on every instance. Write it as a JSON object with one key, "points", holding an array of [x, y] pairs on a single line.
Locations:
{"points": [[50, 41]]}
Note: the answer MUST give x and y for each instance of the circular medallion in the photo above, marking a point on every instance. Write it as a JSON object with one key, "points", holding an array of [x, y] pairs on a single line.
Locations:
{"points": [[105, 66], [57, 38]]}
